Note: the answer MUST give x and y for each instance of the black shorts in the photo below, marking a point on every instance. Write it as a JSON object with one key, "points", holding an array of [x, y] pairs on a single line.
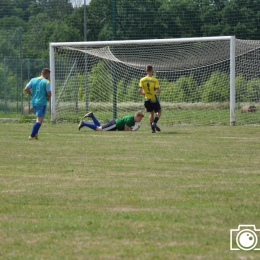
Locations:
{"points": [[110, 126], [150, 106]]}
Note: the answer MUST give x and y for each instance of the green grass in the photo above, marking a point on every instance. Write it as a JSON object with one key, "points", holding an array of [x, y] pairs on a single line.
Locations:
{"points": [[127, 195]]}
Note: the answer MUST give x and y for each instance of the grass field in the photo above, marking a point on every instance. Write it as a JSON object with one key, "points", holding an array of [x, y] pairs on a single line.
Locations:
{"points": [[127, 195]]}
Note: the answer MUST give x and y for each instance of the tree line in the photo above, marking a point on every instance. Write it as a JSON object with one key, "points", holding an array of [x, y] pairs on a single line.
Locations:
{"points": [[32, 24], [27, 28], [185, 89]]}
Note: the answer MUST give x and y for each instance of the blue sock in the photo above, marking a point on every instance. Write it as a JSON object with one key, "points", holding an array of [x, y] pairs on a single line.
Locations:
{"points": [[90, 125], [95, 120], [35, 129]]}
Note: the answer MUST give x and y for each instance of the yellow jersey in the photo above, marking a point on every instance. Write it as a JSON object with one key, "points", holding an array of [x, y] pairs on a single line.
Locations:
{"points": [[149, 85]]}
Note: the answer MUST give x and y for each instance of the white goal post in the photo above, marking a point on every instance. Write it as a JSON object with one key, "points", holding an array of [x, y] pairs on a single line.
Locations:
{"points": [[197, 77]]}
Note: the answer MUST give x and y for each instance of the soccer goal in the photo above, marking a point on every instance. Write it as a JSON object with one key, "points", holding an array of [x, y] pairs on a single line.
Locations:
{"points": [[209, 80]]}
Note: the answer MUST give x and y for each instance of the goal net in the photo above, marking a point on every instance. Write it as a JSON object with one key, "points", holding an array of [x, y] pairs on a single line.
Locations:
{"points": [[210, 80]]}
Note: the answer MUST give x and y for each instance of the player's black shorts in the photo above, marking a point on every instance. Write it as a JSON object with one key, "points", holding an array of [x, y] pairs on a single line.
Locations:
{"points": [[150, 106], [110, 126]]}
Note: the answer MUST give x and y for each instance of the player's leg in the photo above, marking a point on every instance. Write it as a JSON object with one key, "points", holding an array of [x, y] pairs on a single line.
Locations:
{"points": [[149, 108], [157, 116], [96, 126], [151, 119], [40, 112], [109, 126], [158, 112], [88, 124], [91, 115]]}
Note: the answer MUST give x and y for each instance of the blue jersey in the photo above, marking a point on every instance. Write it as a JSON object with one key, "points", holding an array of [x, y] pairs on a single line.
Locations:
{"points": [[39, 86]]}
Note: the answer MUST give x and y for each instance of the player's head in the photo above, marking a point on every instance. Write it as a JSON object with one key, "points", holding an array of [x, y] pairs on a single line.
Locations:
{"points": [[138, 116], [149, 69], [46, 73]]}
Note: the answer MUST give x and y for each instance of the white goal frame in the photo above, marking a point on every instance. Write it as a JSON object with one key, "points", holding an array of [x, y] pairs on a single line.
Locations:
{"points": [[231, 39]]}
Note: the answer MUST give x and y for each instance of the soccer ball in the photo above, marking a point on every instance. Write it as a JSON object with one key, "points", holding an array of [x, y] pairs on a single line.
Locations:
{"points": [[135, 127]]}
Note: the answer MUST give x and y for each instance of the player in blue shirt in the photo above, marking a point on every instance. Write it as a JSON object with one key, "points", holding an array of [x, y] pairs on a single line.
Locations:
{"points": [[39, 89]]}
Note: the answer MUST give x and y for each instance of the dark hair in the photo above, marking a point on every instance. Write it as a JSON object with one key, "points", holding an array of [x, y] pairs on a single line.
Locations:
{"points": [[46, 70], [149, 68]]}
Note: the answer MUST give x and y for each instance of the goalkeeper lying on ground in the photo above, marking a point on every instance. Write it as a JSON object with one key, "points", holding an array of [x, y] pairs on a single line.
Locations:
{"points": [[126, 123]]}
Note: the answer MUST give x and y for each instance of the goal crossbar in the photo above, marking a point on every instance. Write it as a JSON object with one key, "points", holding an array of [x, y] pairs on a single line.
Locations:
{"points": [[141, 42]]}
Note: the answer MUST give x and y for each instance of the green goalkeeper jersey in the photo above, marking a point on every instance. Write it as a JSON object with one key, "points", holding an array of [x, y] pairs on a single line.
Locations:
{"points": [[126, 120]]}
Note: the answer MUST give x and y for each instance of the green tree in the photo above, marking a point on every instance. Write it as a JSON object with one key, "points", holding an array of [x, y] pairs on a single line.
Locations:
{"points": [[167, 93], [211, 18], [81, 87], [12, 22], [61, 32], [137, 19], [132, 93], [9, 43], [8, 83], [122, 91], [98, 92], [253, 87], [185, 88], [7, 8], [59, 9], [179, 19], [99, 20], [35, 41], [216, 89], [241, 89], [76, 21]]}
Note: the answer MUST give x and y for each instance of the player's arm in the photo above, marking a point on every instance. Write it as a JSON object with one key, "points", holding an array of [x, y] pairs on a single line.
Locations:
{"points": [[127, 128], [28, 90], [48, 95], [48, 90], [158, 90], [140, 90], [157, 86]]}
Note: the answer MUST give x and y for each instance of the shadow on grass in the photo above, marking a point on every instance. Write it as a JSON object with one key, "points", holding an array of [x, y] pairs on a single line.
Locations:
{"points": [[170, 133]]}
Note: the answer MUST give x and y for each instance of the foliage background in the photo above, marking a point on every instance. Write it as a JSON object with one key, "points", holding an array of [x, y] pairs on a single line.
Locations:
{"points": [[27, 28], [38, 22]]}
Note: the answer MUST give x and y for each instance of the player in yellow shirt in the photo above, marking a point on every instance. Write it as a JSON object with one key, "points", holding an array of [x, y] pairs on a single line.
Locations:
{"points": [[148, 87]]}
